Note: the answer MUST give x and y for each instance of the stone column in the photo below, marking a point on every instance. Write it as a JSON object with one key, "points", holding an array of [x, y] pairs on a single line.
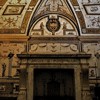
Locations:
{"points": [[77, 83], [30, 83], [23, 80]]}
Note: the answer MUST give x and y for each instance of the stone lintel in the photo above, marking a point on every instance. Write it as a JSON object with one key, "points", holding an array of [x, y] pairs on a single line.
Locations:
{"points": [[57, 56]]}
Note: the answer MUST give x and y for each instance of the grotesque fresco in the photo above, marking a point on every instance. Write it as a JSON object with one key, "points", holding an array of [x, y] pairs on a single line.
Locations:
{"points": [[49, 27], [5, 49]]}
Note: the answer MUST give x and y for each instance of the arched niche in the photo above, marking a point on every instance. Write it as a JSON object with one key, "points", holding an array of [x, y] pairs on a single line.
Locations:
{"points": [[54, 25]]}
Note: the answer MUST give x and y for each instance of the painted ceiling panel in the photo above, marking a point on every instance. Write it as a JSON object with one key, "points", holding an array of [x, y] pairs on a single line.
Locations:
{"points": [[91, 14], [12, 15], [15, 15]]}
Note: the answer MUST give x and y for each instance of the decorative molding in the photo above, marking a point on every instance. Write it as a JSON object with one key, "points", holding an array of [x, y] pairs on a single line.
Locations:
{"points": [[55, 39], [9, 80], [89, 39], [38, 48], [30, 56], [81, 19], [16, 88], [13, 38]]}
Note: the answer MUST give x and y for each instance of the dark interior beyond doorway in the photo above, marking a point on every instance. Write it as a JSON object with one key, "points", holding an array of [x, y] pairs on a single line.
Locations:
{"points": [[54, 83]]}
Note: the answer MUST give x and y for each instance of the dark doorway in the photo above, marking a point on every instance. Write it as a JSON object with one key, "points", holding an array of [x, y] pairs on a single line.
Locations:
{"points": [[53, 88], [54, 83]]}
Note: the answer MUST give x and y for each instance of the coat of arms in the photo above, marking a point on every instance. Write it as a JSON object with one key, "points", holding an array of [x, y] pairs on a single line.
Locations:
{"points": [[53, 25]]}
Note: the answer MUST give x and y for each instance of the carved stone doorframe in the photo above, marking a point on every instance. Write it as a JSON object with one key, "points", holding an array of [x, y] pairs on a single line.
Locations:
{"points": [[30, 62], [77, 71]]}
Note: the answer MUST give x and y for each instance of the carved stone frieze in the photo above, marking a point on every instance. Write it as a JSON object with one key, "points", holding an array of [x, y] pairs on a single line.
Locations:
{"points": [[53, 48], [53, 61]]}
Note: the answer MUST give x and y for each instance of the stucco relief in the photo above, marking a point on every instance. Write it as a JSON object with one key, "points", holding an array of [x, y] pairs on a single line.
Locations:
{"points": [[41, 48]]}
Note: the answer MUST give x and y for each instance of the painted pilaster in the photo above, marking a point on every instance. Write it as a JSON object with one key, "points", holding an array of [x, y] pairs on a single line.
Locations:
{"points": [[30, 83], [23, 79], [77, 83]]}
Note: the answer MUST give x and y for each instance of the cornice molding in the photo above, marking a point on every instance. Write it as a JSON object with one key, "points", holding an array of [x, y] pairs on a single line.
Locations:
{"points": [[13, 38], [89, 38], [57, 56]]}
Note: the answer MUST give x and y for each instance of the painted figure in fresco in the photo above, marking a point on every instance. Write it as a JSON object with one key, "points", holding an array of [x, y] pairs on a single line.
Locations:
{"points": [[92, 73], [3, 69], [17, 72]]}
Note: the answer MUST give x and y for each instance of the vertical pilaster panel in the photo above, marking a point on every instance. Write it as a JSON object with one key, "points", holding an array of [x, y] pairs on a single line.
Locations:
{"points": [[23, 80], [77, 83], [30, 83]]}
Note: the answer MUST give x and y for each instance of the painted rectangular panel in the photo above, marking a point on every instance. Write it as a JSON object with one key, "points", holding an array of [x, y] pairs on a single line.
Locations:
{"points": [[92, 9], [13, 10]]}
